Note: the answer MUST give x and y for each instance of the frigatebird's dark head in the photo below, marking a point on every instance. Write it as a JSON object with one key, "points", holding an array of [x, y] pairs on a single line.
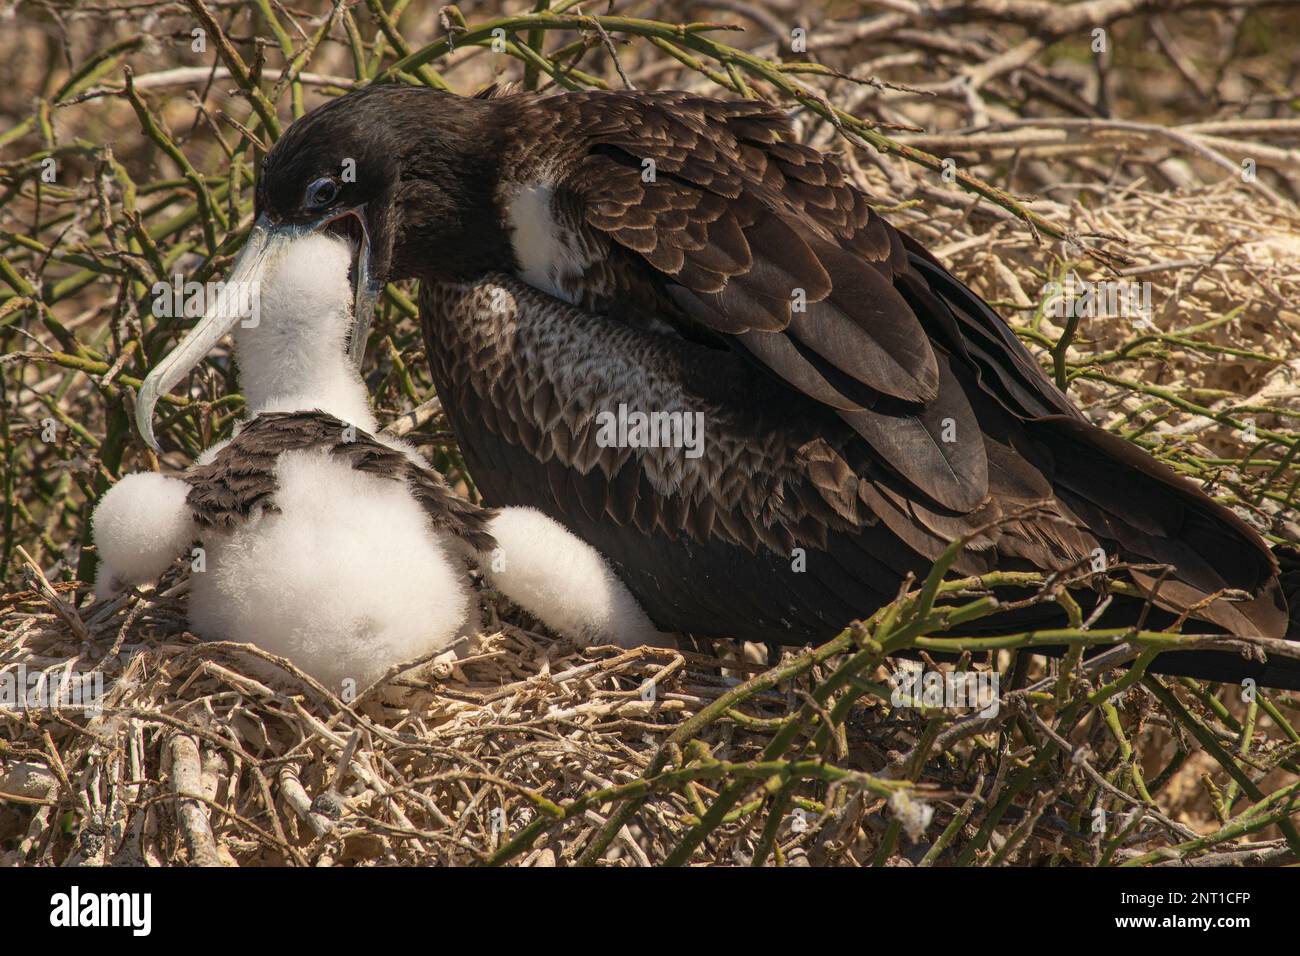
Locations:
{"points": [[408, 173]]}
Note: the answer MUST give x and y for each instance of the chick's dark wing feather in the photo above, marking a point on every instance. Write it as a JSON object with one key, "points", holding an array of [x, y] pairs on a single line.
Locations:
{"points": [[242, 476]]}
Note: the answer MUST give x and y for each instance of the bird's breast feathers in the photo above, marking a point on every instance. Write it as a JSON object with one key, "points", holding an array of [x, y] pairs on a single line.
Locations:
{"points": [[552, 251]]}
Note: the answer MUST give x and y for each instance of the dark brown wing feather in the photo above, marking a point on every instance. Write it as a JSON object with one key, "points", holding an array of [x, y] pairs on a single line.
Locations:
{"points": [[762, 241], [779, 472], [242, 476], [736, 219], [826, 427]]}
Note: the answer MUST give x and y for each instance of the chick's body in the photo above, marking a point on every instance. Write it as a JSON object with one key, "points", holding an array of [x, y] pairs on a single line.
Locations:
{"points": [[345, 575], [345, 579]]}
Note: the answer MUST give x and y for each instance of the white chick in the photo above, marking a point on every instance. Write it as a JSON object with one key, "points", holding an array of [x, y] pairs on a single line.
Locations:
{"points": [[564, 582], [350, 573], [346, 577]]}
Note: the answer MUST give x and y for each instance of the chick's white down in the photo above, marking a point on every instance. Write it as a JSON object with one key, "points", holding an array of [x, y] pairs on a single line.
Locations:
{"points": [[565, 582], [293, 357], [347, 578], [139, 527], [346, 581]]}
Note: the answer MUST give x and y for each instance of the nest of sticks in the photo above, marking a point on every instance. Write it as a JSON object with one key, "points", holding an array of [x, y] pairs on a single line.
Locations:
{"points": [[527, 750], [217, 753]]}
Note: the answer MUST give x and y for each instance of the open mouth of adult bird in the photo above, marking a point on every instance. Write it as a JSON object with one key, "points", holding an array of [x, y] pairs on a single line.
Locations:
{"points": [[351, 225], [266, 242]]}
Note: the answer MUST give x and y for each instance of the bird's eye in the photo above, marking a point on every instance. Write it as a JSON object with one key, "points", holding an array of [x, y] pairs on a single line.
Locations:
{"points": [[321, 193]]}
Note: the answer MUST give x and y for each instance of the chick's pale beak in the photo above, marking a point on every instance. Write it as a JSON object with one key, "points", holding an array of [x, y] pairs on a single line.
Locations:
{"points": [[219, 318], [266, 241]]}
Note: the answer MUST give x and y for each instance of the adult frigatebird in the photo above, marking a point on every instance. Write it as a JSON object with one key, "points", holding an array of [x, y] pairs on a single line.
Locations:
{"points": [[667, 252]]}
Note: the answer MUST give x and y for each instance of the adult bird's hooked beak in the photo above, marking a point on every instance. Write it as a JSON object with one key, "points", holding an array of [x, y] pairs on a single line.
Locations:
{"points": [[266, 241], [366, 285]]}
